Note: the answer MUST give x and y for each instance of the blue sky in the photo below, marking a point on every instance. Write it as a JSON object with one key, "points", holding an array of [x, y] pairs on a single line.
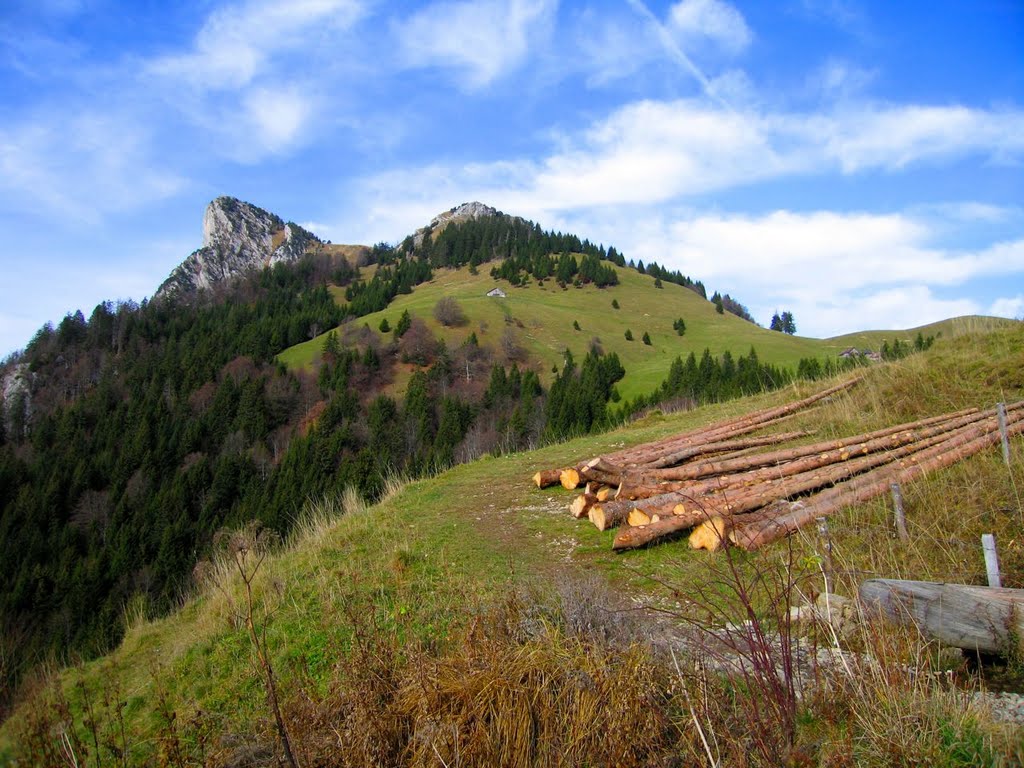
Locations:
{"points": [[858, 163]]}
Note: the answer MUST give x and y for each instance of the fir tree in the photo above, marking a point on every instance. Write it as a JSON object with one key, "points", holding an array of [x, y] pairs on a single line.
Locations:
{"points": [[404, 324]]}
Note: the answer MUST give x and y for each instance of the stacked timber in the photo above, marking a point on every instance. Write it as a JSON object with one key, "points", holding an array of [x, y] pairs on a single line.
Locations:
{"points": [[711, 481]]}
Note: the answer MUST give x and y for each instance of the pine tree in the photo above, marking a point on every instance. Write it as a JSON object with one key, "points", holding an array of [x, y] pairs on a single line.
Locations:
{"points": [[629, 335], [404, 324], [647, 338], [788, 323]]}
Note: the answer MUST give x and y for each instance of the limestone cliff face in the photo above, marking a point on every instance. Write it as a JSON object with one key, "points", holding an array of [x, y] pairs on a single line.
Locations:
{"points": [[16, 398], [238, 239], [464, 212]]}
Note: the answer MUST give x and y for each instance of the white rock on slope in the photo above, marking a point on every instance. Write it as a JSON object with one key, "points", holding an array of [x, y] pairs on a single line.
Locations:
{"points": [[16, 397]]}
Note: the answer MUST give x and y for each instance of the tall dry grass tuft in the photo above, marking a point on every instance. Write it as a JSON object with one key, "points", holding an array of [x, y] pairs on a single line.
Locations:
{"points": [[135, 613], [394, 484], [513, 689], [315, 520]]}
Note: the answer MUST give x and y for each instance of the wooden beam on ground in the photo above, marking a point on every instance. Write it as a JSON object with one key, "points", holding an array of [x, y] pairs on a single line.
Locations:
{"points": [[979, 619]]}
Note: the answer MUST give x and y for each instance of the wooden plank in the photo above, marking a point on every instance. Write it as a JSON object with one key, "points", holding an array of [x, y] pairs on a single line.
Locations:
{"points": [[1001, 413], [901, 516], [988, 543], [974, 618]]}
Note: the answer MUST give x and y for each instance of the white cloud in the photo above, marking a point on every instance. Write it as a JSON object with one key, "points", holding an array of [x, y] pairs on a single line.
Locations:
{"points": [[839, 80], [832, 251], [714, 20], [80, 165], [845, 14], [971, 211], [611, 48], [278, 114], [236, 43], [484, 40], [894, 308], [1011, 306], [895, 137], [614, 47], [657, 152]]}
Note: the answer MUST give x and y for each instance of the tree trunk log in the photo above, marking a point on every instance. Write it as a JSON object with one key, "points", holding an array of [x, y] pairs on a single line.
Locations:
{"points": [[733, 427], [985, 619], [570, 478], [711, 535], [743, 424], [774, 521], [867, 486], [547, 477], [742, 492], [581, 505], [644, 476], [638, 517], [657, 457], [638, 536]]}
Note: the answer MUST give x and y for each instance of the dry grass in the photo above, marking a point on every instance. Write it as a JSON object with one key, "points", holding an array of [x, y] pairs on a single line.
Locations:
{"points": [[513, 691]]}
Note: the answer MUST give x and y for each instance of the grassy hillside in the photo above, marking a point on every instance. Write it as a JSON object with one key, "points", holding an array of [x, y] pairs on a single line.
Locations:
{"points": [[951, 328], [542, 319], [362, 592]]}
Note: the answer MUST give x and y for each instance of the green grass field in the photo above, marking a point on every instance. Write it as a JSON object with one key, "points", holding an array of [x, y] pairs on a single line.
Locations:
{"points": [[542, 318], [951, 328]]}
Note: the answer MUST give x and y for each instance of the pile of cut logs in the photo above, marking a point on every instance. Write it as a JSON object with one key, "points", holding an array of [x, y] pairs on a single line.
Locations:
{"points": [[713, 480]]}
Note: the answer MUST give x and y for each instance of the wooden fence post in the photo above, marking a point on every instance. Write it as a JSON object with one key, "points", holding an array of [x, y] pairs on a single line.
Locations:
{"points": [[988, 543], [1001, 412], [901, 518]]}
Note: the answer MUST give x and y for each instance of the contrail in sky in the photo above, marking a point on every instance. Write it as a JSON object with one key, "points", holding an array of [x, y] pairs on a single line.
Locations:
{"points": [[677, 53]]}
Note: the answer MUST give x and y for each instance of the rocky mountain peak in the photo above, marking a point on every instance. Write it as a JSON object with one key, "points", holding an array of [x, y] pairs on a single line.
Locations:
{"points": [[238, 238], [459, 213], [474, 210]]}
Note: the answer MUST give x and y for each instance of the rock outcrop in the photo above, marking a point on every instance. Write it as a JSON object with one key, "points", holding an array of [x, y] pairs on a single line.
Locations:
{"points": [[460, 213], [16, 399], [238, 239]]}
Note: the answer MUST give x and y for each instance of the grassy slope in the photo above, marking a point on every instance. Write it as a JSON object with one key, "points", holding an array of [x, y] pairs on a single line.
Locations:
{"points": [[419, 559], [951, 328], [546, 314]]}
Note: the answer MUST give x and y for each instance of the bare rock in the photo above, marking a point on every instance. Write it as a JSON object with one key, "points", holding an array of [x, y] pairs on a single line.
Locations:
{"points": [[16, 399], [238, 239], [839, 612]]}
